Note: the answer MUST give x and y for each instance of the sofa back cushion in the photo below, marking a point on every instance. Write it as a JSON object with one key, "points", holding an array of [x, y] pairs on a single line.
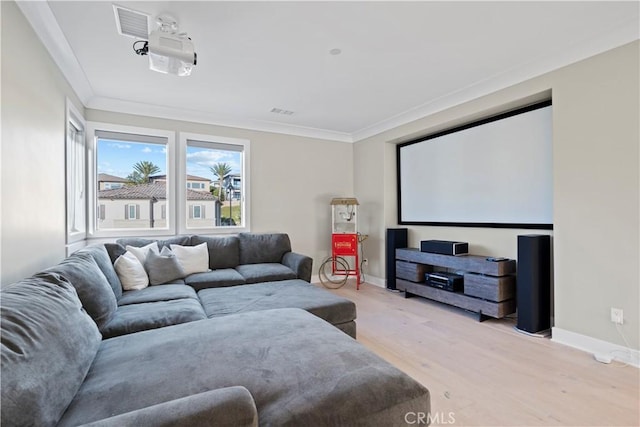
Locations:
{"points": [[139, 242], [92, 286], [101, 256], [48, 343], [263, 248], [224, 251]]}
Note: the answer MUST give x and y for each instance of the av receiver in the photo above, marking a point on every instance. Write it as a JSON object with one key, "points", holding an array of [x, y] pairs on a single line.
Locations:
{"points": [[447, 281]]}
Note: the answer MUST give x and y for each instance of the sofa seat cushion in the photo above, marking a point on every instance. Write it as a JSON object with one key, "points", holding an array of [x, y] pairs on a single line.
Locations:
{"points": [[267, 272], [299, 370], [215, 279], [48, 345], [284, 294], [157, 293], [141, 317]]}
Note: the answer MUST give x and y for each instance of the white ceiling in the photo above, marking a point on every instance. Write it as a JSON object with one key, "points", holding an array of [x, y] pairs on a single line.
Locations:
{"points": [[399, 61]]}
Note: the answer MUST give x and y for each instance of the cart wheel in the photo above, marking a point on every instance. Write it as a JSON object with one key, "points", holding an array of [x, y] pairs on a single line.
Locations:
{"points": [[334, 272]]}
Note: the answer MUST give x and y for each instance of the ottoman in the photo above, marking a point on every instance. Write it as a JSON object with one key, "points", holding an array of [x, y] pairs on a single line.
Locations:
{"points": [[295, 293]]}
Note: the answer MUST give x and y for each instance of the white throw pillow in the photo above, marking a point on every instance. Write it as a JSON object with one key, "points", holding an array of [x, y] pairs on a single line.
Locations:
{"points": [[141, 253], [193, 259], [131, 272]]}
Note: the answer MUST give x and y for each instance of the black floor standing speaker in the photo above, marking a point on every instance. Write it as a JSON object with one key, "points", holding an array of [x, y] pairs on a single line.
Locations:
{"points": [[533, 285], [396, 238]]}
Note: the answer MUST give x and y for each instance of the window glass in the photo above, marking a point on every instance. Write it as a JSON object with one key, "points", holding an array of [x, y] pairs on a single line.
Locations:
{"points": [[221, 165], [131, 181], [76, 176]]}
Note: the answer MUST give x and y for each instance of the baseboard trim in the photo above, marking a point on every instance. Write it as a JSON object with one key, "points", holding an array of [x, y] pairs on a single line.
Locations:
{"points": [[376, 281], [372, 280], [596, 346]]}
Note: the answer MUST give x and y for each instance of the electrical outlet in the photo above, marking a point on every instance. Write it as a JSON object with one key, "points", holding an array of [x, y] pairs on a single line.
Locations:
{"points": [[617, 316]]}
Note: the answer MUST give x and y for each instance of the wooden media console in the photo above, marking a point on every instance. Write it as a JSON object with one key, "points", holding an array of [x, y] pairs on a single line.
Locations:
{"points": [[489, 286]]}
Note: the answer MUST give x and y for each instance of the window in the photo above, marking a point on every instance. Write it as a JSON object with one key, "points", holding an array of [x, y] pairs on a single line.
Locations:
{"points": [[224, 163], [75, 176], [132, 212], [131, 176], [197, 212], [113, 185], [196, 185], [138, 184]]}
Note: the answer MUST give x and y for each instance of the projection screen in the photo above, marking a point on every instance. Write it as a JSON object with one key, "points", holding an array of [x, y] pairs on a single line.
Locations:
{"points": [[497, 172]]}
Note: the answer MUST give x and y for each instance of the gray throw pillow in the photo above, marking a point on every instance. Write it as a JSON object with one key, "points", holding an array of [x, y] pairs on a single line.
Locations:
{"points": [[163, 267], [92, 286], [48, 345]]}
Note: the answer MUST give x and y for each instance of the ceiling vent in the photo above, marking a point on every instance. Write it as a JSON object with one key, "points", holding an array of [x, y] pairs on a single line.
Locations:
{"points": [[131, 23], [281, 111]]}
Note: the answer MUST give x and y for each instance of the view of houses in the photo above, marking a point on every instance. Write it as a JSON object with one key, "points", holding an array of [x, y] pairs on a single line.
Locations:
{"points": [[123, 203]]}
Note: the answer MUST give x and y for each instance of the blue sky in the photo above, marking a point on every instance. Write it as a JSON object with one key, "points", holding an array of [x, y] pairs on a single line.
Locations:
{"points": [[118, 157]]}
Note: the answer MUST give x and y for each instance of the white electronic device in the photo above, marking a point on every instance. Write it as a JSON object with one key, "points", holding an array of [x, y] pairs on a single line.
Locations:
{"points": [[171, 53]]}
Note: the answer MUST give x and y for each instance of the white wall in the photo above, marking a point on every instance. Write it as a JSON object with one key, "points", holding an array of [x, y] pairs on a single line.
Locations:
{"points": [[33, 143], [596, 189]]}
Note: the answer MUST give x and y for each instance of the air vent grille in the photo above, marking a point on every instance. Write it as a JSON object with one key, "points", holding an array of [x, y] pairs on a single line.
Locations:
{"points": [[281, 111], [131, 23]]}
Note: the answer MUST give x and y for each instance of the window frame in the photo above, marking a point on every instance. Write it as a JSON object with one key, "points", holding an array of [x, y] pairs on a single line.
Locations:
{"points": [[136, 211], [92, 174], [193, 211], [245, 197], [76, 119]]}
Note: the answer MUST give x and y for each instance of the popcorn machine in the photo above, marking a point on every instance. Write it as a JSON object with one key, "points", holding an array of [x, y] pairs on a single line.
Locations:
{"points": [[345, 240]]}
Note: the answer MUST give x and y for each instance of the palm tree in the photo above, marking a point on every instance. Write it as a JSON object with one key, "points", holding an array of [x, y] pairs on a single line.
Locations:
{"points": [[142, 171], [221, 171]]}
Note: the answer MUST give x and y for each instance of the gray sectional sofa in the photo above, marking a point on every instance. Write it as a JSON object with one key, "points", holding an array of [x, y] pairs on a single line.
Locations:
{"points": [[269, 350]]}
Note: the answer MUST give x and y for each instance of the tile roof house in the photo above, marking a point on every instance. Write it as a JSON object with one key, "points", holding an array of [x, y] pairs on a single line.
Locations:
{"points": [[109, 182], [194, 182], [145, 206]]}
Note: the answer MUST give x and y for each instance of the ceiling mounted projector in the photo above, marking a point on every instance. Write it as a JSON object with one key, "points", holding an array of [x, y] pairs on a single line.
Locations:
{"points": [[169, 52]]}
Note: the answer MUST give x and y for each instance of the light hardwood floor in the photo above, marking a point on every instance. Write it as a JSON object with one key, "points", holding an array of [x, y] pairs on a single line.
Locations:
{"points": [[488, 374]]}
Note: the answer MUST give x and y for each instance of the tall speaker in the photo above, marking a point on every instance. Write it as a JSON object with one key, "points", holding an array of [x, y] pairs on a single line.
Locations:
{"points": [[533, 286], [396, 238]]}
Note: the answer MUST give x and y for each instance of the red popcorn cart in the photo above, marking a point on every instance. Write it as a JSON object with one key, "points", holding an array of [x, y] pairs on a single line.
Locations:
{"points": [[345, 240]]}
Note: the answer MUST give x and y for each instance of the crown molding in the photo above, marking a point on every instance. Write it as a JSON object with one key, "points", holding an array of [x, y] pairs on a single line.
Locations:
{"points": [[41, 18], [622, 34], [44, 23], [171, 113]]}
